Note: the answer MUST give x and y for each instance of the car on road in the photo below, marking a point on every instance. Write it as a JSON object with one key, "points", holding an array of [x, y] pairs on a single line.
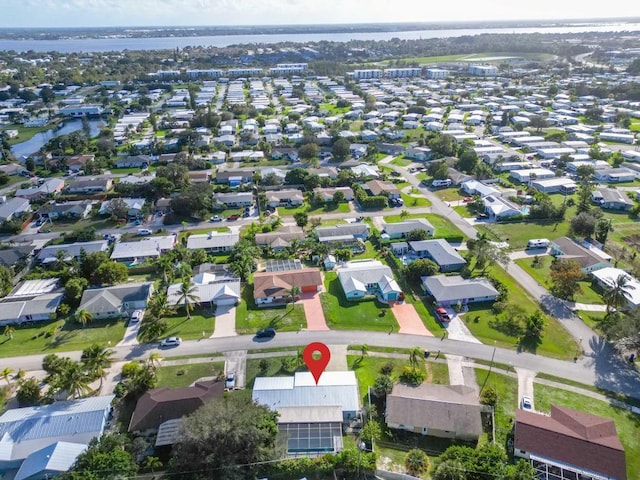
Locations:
{"points": [[467, 199], [136, 316], [170, 342], [230, 381], [215, 218], [144, 231], [526, 403], [39, 222], [268, 332], [442, 314], [232, 218]]}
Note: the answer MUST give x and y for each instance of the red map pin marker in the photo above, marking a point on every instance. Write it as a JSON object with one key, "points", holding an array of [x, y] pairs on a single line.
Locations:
{"points": [[316, 366]]}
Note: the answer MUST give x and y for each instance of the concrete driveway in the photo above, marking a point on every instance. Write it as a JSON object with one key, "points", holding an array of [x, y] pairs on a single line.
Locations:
{"points": [[225, 321], [525, 384], [131, 333], [457, 330], [236, 361]]}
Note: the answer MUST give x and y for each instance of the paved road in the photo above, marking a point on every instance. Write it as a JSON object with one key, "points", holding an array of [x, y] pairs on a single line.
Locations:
{"points": [[605, 371]]}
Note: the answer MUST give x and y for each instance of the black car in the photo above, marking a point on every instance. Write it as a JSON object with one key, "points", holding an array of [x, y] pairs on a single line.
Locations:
{"points": [[266, 333]]}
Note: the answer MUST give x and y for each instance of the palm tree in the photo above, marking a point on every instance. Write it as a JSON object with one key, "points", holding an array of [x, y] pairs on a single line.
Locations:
{"points": [[74, 380], [364, 351], [164, 264], [404, 214], [6, 373], [9, 330], [97, 360], [83, 317], [188, 296], [415, 355], [615, 296], [152, 463], [294, 292], [159, 305], [154, 360]]}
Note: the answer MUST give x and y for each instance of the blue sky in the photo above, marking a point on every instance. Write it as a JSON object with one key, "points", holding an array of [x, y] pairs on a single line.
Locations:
{"points": [[64, 13]]}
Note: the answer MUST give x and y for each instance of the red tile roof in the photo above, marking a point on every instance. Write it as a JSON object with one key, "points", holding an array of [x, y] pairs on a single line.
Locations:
{"points": [[275, 284], [572, 437]]}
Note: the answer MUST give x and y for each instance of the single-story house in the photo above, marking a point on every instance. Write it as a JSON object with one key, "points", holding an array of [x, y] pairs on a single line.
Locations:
{"points": [[32, 438], [475, 187], [10, 257], [72, 250], [134, 205], [554, 185], [234, 177], [201, 176], [401, 229], [213, 242], [73, 209], [608, 277], [281, 238], [569, 444], [116, 301], [440, 251], [370, 277], [287, 197], [17, 310], [446, 411], [133, 161], [134, 253], [327, 194], [162, 404], [378, 187], [234, 199], [363, 170], [76, 163], [498, 207], [526, 175], [612, 199], [49, 188], [90, 185], [274, 288], [449, 290], [420, 154], [12, 207], [344, 234], [214, 288], [614, 175], [589, 256]]}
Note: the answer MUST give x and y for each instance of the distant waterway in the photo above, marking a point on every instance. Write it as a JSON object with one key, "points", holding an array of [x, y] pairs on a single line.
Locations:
{"points": [[160, 43], [23, 149]]}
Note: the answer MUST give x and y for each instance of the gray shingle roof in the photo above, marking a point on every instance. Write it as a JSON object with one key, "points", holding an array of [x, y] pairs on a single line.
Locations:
{"points": [[453, 288], [440, 250]]}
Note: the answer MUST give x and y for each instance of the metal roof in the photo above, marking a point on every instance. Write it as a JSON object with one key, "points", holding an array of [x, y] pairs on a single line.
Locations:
{"points": [[57, 457], [31, 288]]}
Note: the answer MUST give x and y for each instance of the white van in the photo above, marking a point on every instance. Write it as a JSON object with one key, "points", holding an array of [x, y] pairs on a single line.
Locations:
{"points": [[538, 243], [441, 183], [144, 231]]}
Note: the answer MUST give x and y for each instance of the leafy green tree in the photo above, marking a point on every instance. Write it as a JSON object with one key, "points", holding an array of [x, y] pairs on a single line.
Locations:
{"points": [[422, 267], [565, 275], [534, 325], [583, 225], [489, 396], [603, 227], [28, 393], [383, 386], [73, 290], [371, 432], [9, 331], [416, 462], [485, 253], [6, 277], [308, 151], [338, 197], [110, 273], [340, 149], [301, 219], [106, 458], [222, 435], [118, 209]]}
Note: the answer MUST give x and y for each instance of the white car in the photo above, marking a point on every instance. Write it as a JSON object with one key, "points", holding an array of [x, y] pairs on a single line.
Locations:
{"points": [[171, 342], [526, 403], [136, 316], [230, 381]]}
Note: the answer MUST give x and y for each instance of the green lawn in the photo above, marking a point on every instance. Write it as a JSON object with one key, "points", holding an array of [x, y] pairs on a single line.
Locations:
{"points": [[306, 208], [443, 226], [542, 274], [177, 376], [60, 336], [191, 328], [627, 423], [484, 325], [401, 161], [411, 201], [592, 319], [369, 252], [518, 234], [251, 318], [26, 133], [507, 389], [99, 223], [451, 194], [343, 314], [464, 211], [275, 368]]}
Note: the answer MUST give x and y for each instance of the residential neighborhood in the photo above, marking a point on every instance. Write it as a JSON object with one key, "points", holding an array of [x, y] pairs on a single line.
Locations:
{"points": [[461, 233]]}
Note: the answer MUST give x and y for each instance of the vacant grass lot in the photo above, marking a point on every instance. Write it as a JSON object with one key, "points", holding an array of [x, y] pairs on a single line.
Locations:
{"points": [[411, 201], [96, 222], [191, 328], [250, 318], [443, 226], [177, 376], [315, 210], [507, 389], [61, 336], [627, 423], [542, 273], [518, 234], [343, 314], [485, 326], [451, 194]]}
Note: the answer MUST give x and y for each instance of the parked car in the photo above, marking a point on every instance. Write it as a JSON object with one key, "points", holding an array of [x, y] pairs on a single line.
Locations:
{"points": [[171, 342], [266, 333], [442, 314], [526, 403], [230, 381], [136, 316], [144, 231], [467, 199], [215, 218], [231, 218]]}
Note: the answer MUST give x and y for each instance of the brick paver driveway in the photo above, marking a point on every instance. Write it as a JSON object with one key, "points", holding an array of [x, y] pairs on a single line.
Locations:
{"points": [[313, 312], [409, 320]]}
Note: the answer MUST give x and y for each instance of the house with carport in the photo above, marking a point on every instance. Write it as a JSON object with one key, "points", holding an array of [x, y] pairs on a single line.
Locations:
{"points": [[589, 256]]}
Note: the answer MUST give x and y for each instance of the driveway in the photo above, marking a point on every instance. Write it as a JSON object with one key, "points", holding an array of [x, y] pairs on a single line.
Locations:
{"points": [[409, 320], [313, 311], [225, 321], [525, 384], [131, 333], [236, 361], [457, 330]]}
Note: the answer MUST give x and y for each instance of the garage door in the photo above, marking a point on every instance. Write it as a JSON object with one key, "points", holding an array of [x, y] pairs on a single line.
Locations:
{"points": [[310, 288]]}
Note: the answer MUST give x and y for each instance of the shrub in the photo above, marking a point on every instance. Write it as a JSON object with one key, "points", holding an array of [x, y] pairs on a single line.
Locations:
{"points": [[130, 369], [416, 462], [413, 376], [489, 397], [387, 368]]}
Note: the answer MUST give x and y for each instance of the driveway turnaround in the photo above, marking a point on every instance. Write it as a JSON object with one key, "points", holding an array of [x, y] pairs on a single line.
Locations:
{"points": [[409, 320], [225, 321], [313, 311], [457, 330], [130, 334]]}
